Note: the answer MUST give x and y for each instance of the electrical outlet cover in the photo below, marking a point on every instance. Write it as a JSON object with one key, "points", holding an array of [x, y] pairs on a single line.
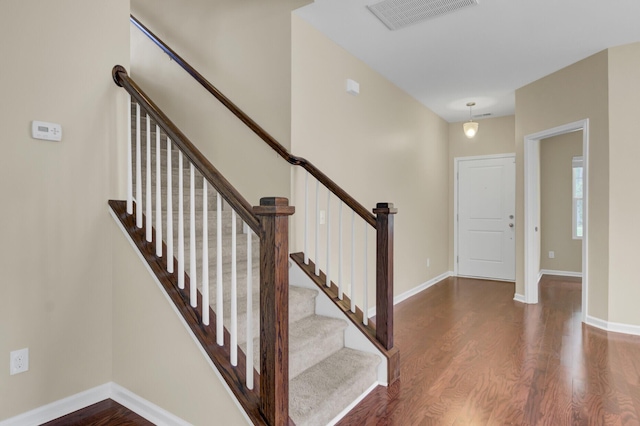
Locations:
{"points": [[19, 361]]}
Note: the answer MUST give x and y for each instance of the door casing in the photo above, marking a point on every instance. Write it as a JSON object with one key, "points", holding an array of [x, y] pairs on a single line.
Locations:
{"points": [[532, 211]]}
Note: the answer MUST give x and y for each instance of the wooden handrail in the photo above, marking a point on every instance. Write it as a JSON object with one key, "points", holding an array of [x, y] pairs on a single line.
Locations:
{"points": [[208, 171], [258, 130]]}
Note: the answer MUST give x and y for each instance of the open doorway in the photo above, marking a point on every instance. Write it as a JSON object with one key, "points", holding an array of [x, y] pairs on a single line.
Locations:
{"points": [[561, 205], [532, 212]]}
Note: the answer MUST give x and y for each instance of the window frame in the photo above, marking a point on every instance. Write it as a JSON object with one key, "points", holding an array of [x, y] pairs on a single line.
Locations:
{"points": [[576, 162]]}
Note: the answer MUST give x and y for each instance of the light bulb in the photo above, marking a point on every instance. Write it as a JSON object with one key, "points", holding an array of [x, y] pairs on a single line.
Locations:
{"points": [[470, 129]]}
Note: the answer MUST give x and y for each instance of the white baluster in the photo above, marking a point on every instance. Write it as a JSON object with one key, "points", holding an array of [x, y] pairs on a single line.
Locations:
{"points": [[249, 372], [234, 294], [340, 251], [180, 221], [169, 209], [205, 252], [353, 262], [328, 276], [365, 307], [219, 293], [148, 219], [158, 195], [306, 218], [138, 170], [129, 162], [193, 273], [317, 240]]}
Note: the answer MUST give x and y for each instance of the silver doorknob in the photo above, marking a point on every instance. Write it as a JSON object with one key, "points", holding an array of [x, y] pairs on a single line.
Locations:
{"points": [[511, 225]]}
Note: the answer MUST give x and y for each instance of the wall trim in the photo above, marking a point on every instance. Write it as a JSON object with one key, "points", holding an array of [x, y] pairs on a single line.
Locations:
{"points": [[371, 312], [125, 397], [561, 273], [615, 327], [144, 408], [61, 407], [519, 298]]}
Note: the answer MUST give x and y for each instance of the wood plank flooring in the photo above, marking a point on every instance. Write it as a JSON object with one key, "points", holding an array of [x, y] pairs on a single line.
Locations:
{"points": [[470, 355], [107, 412]]}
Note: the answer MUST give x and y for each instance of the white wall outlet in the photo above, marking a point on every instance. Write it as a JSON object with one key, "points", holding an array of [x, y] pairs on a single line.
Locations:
{"points": [[552, 254], [19, 361], [322, 217]]}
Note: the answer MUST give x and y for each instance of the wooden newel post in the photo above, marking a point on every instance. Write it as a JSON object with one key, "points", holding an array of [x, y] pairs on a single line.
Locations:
{"points": [[274, 309], [384, 273]]}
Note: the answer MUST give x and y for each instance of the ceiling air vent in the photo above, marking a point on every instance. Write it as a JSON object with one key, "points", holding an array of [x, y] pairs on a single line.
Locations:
{"points": [[396, 14]]}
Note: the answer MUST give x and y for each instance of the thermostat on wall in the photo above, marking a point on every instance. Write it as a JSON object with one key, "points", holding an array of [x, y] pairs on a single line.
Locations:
{"points": [[46, 131]]}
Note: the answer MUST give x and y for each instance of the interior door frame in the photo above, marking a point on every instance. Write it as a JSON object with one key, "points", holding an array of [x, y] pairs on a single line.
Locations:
{"points": [[456, 164], [532, 210]]}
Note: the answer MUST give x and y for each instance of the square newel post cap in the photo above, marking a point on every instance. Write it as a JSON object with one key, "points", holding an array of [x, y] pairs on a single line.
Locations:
{"points": [[274, 206], [385, 208]]}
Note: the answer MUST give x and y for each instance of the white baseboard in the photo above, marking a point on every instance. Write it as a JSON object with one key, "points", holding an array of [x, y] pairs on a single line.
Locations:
{"points": [[60, 408], [615, 327], [560, 273], [519, 298], [144, 408], [407, 294], [110, 390]]}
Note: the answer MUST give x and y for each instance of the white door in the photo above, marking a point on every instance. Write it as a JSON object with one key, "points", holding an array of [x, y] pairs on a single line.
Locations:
{"points": [[486, 218]]}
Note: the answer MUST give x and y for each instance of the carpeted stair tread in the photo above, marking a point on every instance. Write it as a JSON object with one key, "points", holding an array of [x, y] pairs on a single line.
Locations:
{"points": [[311, 340], [323, 391], [301, 304]]}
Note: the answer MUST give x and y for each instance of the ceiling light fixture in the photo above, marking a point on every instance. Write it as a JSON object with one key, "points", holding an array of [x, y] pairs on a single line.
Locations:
{"points": [[470, 127]]}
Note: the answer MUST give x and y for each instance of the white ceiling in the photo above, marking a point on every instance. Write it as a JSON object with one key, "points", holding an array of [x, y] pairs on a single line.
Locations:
{"points": [[482, 53]]}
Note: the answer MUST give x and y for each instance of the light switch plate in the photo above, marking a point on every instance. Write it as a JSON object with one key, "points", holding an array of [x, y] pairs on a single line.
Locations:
{"points": [[46, 131]]}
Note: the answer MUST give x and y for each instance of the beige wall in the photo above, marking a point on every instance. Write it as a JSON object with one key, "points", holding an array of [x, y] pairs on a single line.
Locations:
{"points": [[153, 355], [556, 203], [624, 155], [245, 51], [380, 146], [495, 136], [55, 296], [574, 93]]}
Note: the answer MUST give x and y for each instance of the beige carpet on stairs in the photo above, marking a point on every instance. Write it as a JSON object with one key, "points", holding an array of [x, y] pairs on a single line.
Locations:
{"points": [[325, 376]]}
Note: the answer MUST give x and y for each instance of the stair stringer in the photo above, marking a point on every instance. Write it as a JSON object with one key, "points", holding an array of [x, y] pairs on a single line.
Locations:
{"points": [[353, 337]]}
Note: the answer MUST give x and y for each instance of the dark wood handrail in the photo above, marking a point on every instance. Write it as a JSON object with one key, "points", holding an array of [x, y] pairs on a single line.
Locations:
{"points": [[258, 130], [208, 171]]}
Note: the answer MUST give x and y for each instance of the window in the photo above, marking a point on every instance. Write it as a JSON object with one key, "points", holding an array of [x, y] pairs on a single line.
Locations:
{"points": [[578, 206]]}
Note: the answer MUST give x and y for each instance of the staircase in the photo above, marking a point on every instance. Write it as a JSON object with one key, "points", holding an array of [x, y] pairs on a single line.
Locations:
{"points": [[325, 377]]}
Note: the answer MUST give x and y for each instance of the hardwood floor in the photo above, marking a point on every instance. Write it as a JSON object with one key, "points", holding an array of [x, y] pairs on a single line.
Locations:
{"points": [[470, 355], [107, 412]]}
